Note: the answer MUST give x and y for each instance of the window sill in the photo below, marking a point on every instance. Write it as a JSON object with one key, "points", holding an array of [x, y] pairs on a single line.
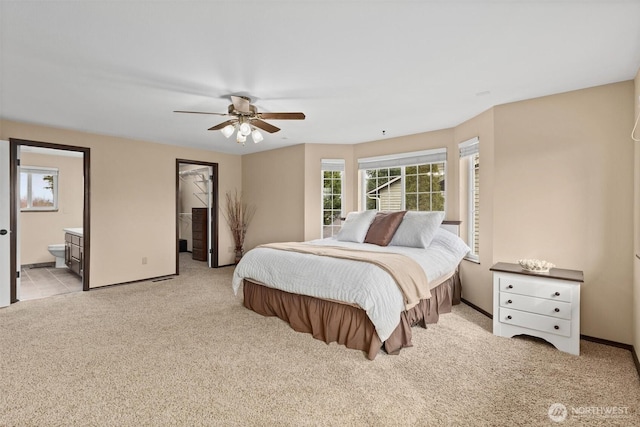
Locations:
{"points": [[473, 259]]}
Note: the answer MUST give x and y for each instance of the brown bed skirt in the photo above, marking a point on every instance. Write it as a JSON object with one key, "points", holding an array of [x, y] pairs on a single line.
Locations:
{"points": [[346, 324]]}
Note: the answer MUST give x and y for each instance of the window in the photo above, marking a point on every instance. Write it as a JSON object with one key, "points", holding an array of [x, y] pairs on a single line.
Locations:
{"points": [[332, 193], [410, 181], [38, 188], [470, 194]]}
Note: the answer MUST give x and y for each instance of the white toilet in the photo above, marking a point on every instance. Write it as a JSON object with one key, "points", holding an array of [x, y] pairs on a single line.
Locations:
{"points": [[58, 252]]}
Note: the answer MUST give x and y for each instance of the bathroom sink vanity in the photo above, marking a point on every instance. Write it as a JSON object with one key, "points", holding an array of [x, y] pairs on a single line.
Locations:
{"points": [[73, 249]]}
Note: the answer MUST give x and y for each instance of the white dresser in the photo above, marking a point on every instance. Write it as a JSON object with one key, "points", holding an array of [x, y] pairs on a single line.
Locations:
{"points": [[544, 305]]}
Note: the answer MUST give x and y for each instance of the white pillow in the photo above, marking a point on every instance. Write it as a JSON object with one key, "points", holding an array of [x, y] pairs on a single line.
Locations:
{"points": [[356, 226], [450, 243], [417, 229]]}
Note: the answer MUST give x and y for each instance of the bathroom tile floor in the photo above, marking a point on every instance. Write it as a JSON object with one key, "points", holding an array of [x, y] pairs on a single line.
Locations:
{"points": [[42, 282]]}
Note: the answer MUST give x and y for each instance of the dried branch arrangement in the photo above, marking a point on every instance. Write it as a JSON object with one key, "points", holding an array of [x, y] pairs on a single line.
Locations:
{"points": [[239, 215]]}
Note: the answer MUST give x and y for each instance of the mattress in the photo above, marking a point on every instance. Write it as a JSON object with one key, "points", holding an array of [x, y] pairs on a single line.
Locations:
{"points": [[357, 283]]}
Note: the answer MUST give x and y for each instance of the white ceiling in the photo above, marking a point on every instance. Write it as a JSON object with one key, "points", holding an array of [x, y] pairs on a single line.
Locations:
{"points": [[355, 68]]}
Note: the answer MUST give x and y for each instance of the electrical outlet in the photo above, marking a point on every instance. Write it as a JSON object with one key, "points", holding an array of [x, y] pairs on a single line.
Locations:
{"points": [[144, 260]]}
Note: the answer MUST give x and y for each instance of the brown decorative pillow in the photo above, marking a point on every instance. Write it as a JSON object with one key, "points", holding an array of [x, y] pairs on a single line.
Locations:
{"points": [[383, 227]]}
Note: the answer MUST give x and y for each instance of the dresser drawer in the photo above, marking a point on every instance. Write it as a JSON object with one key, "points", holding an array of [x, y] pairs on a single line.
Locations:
{"points": [[525, 304], [549, 290], [198, 244], [198, 214], [75, 252], [75, 266], [199, 254], [547, 307], [72, 238], [537, 322]]}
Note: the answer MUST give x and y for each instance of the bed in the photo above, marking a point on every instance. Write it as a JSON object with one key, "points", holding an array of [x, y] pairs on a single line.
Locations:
{"points": [[337, 290]]}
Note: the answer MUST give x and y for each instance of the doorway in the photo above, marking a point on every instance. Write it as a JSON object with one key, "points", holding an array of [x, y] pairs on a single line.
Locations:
{"points": [[22, 178], [196, 212], [5, 227]]}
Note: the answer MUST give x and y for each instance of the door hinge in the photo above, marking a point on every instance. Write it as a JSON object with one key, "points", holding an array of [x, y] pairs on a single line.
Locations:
{"points": [[17, 162], [17, 274], [210, 251]]}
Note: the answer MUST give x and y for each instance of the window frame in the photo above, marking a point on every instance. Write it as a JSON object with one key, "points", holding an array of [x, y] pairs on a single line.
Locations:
{"points": [[469, 150], [30, 171], [331, 165], [402, 161]]}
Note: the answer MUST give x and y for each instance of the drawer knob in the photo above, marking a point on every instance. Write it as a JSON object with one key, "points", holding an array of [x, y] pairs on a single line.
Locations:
{"points": [[508, 317], [557, 294], [557, 310], [509, 301], [556, 327], [510, 287]]}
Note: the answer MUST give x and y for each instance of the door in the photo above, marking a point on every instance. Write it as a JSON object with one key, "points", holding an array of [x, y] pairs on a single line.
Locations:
{"points": [[210, 255], [5, 242]]}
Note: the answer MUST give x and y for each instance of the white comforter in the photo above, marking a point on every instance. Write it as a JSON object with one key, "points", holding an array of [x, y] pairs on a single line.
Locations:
{"points": [[361, 283]]}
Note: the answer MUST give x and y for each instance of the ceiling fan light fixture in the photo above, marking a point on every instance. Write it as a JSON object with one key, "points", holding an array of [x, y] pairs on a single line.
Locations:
{"points": [[245, 129], [245, 119], [257, 136], [227, 131]]}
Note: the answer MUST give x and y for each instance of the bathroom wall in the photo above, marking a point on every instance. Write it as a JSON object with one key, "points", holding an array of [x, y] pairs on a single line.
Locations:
{"points": [[41, 229]]}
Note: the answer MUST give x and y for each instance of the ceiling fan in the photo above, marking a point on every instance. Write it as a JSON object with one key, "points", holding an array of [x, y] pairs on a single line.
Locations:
{"points": [[246, 118]]}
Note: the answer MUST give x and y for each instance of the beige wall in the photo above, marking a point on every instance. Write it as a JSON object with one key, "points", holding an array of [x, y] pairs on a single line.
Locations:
{"points": [[286, 187], [314, 153], [563, 191], [477, 278], [133, 200], [41, 229], [636, 229], [274, 182]]}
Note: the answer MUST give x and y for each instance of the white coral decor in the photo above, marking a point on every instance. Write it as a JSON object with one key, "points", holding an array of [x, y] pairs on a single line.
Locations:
{"points": [[535, 265]]}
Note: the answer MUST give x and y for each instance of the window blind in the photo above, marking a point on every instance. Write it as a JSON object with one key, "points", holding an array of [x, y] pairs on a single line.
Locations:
{"points": [[336, 165], [469, 147], [39, 169], [404, 159], [469, 157]]}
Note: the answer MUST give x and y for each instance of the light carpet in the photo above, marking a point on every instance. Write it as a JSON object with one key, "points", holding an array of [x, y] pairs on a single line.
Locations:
{"points": [[186, 352]]}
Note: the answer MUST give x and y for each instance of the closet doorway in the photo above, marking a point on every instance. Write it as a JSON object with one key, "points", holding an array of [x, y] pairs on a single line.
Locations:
{"points": [[196, 212]]}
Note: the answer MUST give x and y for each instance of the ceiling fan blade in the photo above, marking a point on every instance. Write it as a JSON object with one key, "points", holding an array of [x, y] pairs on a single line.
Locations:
{"points": [[241, 104], [200, 112], [223, 124], [282, 116], [264, 126]]}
